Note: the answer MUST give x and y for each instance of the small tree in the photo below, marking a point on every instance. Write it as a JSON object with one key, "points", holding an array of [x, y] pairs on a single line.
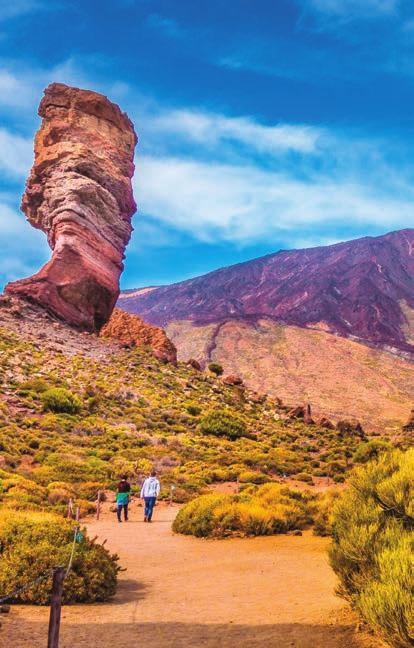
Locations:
{"points": [[216, 368]]}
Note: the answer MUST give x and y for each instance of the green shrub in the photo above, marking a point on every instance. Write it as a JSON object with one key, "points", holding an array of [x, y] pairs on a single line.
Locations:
{"points": [[221, 423], [193, 409], [265, 510], [34, 385], [215, 368], [304, 477], [323, 519], [33, 543], [372, 551], [60, 400], [369, 450]]}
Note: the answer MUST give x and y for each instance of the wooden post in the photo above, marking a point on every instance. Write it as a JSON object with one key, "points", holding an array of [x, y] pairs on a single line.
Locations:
{"points": [[98, 505], [55, 608], [77, 514], [70, 509], [172, 489]]}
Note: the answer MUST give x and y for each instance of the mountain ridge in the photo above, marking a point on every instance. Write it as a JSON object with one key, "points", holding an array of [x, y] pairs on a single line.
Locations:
{"points": [[361, 289]]}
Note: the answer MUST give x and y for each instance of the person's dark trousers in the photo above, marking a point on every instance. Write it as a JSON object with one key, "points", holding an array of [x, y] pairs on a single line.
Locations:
{"points": [[119, 511], [149, 507]]}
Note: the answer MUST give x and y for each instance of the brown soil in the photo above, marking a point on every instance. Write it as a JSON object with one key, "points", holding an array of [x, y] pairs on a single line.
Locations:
{"points": [[339, 377], [184, 592]]}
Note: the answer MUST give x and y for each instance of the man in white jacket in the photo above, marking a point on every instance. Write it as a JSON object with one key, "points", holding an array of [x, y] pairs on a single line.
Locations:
{"points": [[149, 493]]}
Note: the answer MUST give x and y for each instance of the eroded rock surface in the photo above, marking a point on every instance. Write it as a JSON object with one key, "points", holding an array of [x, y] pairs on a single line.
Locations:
{"points": [[132, 330], [79, 193]]}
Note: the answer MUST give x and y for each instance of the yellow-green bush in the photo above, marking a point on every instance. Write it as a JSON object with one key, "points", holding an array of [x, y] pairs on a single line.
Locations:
{"points": [[59, 399], [222, 423], [264, 510], [373, 545], [33, 543]]}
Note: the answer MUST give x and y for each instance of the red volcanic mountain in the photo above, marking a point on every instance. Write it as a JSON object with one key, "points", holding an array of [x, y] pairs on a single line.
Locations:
{"points": [[363, 289]]}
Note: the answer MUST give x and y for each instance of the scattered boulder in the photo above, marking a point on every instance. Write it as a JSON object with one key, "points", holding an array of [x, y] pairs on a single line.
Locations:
{"points": [[79, 193], [326, 423], [349, 428], [297, 412], [192, 362], [409, 426], [233, 379]]}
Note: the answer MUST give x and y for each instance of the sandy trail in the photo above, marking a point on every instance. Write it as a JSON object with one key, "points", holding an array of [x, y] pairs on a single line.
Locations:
{"points": [[184, 592]]}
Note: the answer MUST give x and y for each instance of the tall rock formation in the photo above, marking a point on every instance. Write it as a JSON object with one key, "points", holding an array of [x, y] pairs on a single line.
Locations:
{"points": [[79, 193]]}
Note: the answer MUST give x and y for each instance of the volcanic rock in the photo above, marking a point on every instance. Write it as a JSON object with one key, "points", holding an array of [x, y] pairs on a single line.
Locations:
{"points": [[233, 379], [133, 331], [361, 289], [192, 362], [79, 193], [307, 417], [409, 426], [326, 423]]}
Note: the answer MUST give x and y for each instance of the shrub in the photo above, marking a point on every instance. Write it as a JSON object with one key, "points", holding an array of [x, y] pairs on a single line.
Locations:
{"points": [[265, 510], [60, 400], [34, 385], [193, 409], [367, 451], [215, 368], [323, 519], [304, 477], [33, 543], [223, 424], [373, 545]]}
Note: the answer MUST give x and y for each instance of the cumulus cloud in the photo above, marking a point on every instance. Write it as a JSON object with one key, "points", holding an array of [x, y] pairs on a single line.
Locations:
{"points": [[244, 204], [23, 250], [211, 129], [16, 153]]}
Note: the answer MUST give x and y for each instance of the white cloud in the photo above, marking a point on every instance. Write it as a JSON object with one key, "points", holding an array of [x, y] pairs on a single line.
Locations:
{"points": [[243, 204], [23, 249], [211, 129], [13, 8], [16, 153], [353, 8]]}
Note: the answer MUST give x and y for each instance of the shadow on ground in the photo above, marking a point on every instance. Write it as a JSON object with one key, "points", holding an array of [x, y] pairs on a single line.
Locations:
{"points": [[186, 635]]}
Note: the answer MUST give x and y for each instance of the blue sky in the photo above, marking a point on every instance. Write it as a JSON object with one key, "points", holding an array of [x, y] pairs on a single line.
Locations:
{"points": [[262, 125]]}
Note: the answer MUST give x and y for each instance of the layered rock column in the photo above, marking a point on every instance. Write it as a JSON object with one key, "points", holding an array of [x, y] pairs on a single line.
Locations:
{"points": [[79, 193]]}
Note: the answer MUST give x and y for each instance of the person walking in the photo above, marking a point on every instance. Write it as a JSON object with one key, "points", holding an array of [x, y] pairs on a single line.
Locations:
{"points": [[149, 493], [122, 498]]}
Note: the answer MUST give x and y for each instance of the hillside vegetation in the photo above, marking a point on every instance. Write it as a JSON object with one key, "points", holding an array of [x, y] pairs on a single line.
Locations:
{"points": [[71, 424]]}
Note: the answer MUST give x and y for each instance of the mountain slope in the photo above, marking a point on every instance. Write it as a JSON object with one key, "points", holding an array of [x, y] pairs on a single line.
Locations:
{"points": [[341, 378], [292, 323], [362, 288]]}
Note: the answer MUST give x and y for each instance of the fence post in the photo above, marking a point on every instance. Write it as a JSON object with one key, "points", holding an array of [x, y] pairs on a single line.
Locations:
{"points": [[70, 509], [172, 489], [98, 505], [55, 608]]}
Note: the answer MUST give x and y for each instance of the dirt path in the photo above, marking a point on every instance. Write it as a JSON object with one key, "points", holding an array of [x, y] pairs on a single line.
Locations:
{"points": [[183, 592]]}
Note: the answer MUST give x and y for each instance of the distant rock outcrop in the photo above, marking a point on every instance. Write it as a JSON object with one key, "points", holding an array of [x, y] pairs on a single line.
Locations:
{"points": [[132, 330], [409, 426], [79, 193]]}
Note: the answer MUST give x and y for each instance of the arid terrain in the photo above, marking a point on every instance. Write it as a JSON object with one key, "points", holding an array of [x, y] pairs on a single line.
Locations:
{"points": [[181, 592], [340, 377]]}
